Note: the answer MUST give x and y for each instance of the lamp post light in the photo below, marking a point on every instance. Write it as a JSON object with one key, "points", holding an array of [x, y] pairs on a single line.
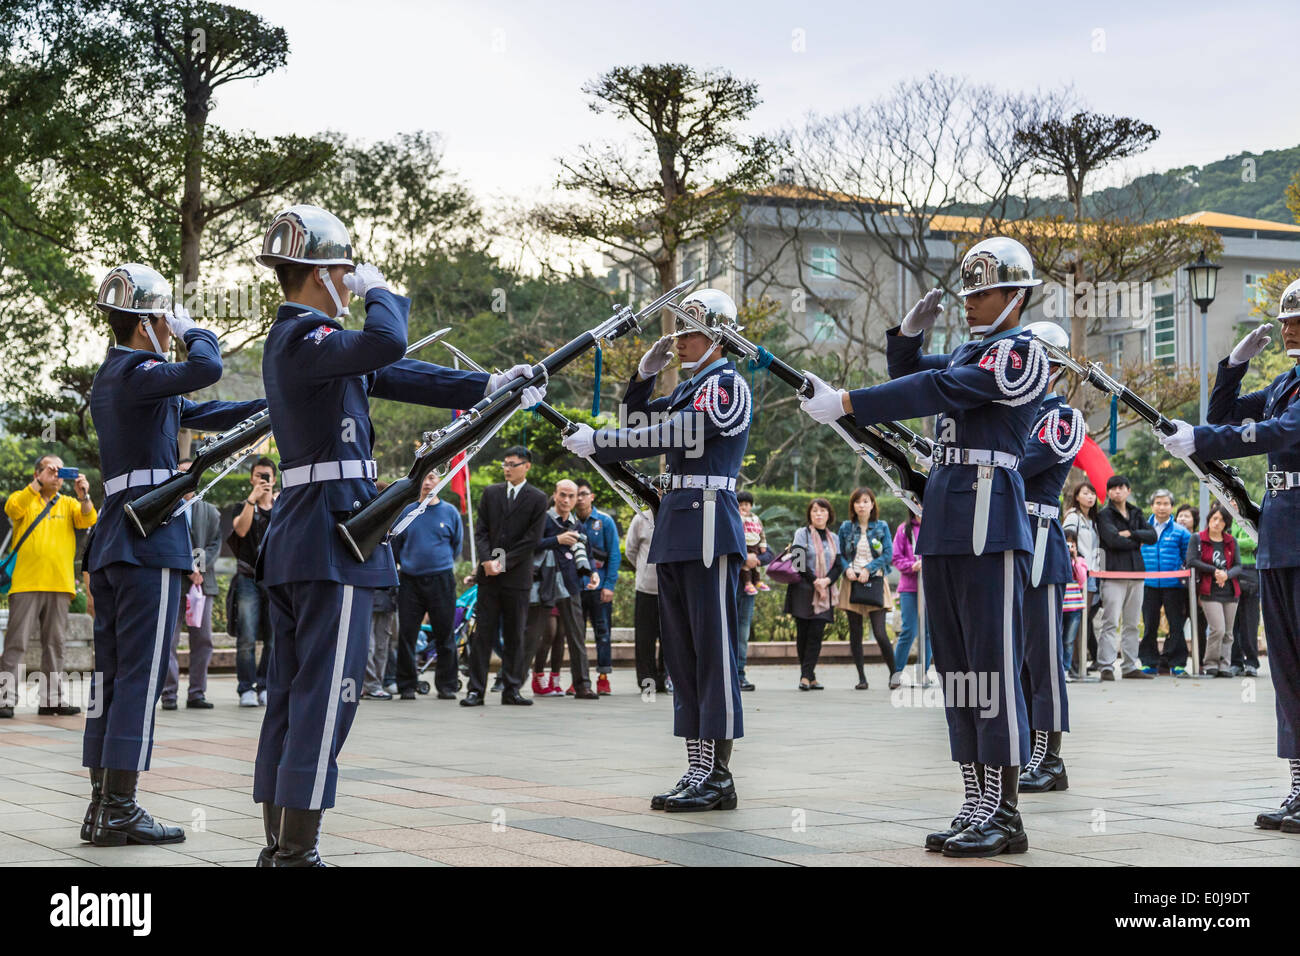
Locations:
{"points": [[796, 459], [1203, 277]]}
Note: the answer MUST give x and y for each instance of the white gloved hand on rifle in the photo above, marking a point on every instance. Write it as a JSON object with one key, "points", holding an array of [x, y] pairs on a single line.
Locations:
{"points": [[923, 315], [497, 379], [656, 358], [1182, 442], [1255, 341], [179, 321], [582, 442], [826, 405], [364, 278]]}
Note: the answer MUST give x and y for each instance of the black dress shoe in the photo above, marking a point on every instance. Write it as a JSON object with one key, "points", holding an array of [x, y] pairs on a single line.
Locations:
{"points": [[408, 695], [121, 820], [1049, 775], [1272, 819], [6, 711], [1003, 832], [717, 791], [935, 841], [659, 799], [92, 811], [298, 838], [65, 710], [472, 699], [585, 692], [444, 695], [166, 705], [515, 698], [745, 684], [271, 817], [198, 703]]}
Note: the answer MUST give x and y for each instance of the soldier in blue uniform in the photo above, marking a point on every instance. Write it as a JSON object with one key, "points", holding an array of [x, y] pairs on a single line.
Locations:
{"points": [[319, 378], [976, 537], [1054, 440], [1267, 422], [137, 405], [698, 545]]}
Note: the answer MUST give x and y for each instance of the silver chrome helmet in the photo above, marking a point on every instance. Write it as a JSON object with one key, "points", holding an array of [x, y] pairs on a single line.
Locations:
{"points": [[307, 235], [134, 288], [1051, 334], [997, 263], [1290, 307], [710, 307]]}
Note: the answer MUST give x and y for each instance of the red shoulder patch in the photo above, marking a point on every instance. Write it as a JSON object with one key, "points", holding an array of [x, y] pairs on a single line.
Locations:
{"points": [[1016, 361], [701, 401], [986, 362], [149, 363], [318, 333], [1063, 432]]}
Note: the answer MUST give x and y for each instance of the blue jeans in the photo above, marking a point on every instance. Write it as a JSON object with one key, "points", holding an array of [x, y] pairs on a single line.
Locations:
{"points": [[1070, 622], [253, 609], [903, 646], [744, 618], [598, 613]]}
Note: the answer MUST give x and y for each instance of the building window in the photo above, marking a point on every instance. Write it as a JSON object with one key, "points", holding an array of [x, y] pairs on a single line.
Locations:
{"points": [[824, 261], [1117, 351], [1164, 331], [821, 327], [1253, 292]]}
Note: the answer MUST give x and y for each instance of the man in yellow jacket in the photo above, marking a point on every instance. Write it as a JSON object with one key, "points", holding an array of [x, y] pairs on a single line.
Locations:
{"points": [[43, 580]]}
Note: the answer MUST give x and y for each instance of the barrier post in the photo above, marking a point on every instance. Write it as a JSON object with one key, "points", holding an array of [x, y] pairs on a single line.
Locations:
{"points": [[920, 630], [1193, 613]]}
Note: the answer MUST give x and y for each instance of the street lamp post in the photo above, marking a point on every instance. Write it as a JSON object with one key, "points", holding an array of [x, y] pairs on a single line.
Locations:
{"points": [[1203, 277], [796, 458]]}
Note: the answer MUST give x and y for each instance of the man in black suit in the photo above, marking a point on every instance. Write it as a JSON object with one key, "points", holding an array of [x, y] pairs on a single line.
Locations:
{"points": [[511, 516]]}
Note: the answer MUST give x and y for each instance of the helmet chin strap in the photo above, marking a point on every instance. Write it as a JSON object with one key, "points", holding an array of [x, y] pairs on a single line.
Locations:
{"points": [[153, 339], [1294, 353], [985, 329], [324, 274]]}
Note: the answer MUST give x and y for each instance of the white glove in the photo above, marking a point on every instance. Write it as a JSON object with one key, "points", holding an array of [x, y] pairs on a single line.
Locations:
{"points": [[921, 318], [179, 321], [925, 461], [656, 358], [582, 442], [1182, 442], [1256, 341], [826, 405], [497, 379], [364, 278], [532, 395]]}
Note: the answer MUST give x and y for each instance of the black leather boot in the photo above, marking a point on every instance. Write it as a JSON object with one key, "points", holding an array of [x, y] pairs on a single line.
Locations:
{"points": [[692, 761], [997, 827], [972, 775], [121, 820], [92, 811], [715, 791], [271, 816], [1049, 774], [298, 838], [1272, 819]]}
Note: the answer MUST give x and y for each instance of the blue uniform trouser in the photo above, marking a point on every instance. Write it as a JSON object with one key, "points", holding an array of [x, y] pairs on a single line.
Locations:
{"points": [[1044, 673], [1279, 594], [975, 607], [136, 611], [322, 640], [697, 625]]}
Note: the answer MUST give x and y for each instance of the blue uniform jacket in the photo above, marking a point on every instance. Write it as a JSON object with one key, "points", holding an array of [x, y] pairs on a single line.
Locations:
{"points": [[962, 390], [1275, 432], [1044, 473], [692, 414], [318, 378], [137, 409]]}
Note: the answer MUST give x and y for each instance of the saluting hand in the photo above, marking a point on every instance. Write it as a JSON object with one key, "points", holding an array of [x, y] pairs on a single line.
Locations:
{"points": [[923, 315], [656, 358], [1255, 341], [364, 278]]}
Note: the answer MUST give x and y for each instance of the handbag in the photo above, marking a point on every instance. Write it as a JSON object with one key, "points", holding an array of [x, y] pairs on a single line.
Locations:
{"points": [[782, 569], [194, 601], [870, 592], [11, 559]]}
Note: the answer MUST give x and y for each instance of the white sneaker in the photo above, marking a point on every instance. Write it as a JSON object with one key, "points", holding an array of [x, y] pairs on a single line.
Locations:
{"points": [[261, 698], [391, 688], [248, 698]]}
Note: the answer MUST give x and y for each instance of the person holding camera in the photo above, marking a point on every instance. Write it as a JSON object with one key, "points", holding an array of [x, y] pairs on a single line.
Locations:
{"points": [[252, 604], [45, 525]]}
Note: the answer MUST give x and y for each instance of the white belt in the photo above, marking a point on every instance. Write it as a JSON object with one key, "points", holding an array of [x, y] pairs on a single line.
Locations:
{"points": [[1042, 511], [139, 478], [329, 471], [713, 482], [949, 455], [1281, 480]]}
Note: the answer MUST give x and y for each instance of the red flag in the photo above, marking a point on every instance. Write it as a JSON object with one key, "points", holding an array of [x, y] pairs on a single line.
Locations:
{"points": [[1094, 463], [460, 480]]}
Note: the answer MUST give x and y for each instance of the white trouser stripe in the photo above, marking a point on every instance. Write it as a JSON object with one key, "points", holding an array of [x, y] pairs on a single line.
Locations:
{"points": [[1008, 658], [332, 708], [1052, 660], [726, 646], [160, 635]]}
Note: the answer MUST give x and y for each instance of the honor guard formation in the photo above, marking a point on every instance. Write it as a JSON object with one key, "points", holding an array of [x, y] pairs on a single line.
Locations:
{"points": [[997, 568]]}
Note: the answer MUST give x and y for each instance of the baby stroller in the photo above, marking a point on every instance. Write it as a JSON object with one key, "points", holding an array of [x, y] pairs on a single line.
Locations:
{"points": [[462, 629]]}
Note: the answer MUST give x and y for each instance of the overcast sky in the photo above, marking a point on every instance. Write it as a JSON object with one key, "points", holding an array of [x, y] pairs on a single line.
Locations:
{"points": [[501, 81]]}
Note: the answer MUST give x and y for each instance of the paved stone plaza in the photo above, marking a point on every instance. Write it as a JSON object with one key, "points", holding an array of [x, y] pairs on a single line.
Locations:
{"points": [[1162, 772]]}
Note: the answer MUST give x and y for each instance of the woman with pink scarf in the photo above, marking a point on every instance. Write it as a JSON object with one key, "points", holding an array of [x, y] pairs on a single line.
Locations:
{"points": [[811, 601]]}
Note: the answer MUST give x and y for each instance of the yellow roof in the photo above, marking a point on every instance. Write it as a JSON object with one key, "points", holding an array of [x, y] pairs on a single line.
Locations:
{"points": [[794, 191], [1222, 220]]}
